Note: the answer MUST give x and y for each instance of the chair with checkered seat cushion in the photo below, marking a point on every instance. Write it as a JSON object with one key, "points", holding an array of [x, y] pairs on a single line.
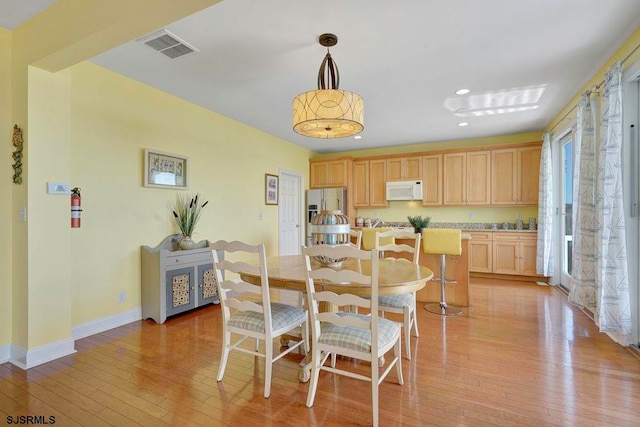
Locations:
{"points": [[358, 336], [247, 309], [404, 304]]}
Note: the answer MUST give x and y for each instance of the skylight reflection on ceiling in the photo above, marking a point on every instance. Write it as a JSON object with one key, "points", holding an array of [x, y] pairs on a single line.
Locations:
{"points": [[495, 102]]}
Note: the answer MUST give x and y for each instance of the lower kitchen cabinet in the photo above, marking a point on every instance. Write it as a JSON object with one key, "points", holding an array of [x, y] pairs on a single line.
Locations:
{"points": [[515, 253], [174, 281], [481, 252]]}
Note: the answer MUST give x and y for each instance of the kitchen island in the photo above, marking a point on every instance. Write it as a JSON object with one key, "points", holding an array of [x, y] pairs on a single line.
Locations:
{"points": [[457, 269]]}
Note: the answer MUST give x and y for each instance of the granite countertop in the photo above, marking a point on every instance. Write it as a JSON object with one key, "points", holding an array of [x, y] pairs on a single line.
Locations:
{"points": [[465, 227]]}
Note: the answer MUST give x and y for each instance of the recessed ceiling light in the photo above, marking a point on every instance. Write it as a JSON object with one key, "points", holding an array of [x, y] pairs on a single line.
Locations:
{"points": [[357, 137], [462, 91], [463, 124]]}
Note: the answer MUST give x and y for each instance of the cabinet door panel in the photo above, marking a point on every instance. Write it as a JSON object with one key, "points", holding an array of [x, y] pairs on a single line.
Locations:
{"points": [[361, 183], [207, 286], [412, 168], [338, 173], [505, 255], [478, 178], [180, 288], [432, 180], [394, 170], [529, 177], [455, 179], [504, 177], [377, 183], [318, 174], [528, 258], [481, 256]]}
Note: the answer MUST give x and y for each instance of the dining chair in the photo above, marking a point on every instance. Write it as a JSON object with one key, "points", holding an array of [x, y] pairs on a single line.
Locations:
{"points": [[357, 235], [241, 314], [404, 304], [367, 337]]}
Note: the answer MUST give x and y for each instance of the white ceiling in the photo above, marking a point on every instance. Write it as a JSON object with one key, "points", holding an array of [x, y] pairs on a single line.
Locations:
{"points": [[15, 12], [406, 58]]}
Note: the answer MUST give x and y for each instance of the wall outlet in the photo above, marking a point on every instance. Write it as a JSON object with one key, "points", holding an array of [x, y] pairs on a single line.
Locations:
{"points": [[122, 297], [471, 215], [259, 215]]}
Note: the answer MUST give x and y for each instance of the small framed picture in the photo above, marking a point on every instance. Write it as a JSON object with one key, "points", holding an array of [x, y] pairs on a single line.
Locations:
{"points": [[270, 189], [165, 170]]}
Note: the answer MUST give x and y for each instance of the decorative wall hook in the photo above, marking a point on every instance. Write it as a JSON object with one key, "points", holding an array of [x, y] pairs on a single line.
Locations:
{"points": [[17, 155]]}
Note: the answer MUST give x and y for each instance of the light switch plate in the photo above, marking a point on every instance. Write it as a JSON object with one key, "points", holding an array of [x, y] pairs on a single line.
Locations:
{"points": [[58, 188]]}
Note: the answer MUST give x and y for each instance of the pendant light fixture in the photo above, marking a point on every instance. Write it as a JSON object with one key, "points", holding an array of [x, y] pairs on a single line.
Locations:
{"points": [[328, 112]]}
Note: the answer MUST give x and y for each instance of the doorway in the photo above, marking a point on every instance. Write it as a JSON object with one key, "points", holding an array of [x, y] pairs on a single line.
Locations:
{"points": [[290, 213], [566, 208]]}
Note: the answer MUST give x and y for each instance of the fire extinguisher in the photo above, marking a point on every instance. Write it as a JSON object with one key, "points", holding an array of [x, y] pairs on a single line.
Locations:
{"points": [[75, 208]]}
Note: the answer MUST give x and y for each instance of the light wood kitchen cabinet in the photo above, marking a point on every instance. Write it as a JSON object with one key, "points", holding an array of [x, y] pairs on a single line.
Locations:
{"points": [[377, 186], [481, 252], [329, 173], [515, 176], [514, 253], [369, 177], [360, 190], [404, 168], [432, 180], [467, 178]]}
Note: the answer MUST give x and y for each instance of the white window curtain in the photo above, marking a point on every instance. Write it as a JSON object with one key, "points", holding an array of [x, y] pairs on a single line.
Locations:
{"points": [[583, 290], [612, 280], [544, 255]]}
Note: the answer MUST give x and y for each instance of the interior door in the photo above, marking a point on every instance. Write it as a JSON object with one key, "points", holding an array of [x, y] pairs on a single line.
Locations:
{"points": [[289, 213]]}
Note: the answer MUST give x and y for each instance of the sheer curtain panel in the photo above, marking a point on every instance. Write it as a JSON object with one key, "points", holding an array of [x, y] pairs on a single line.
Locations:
{"points": [[544, 255], [612, 280]]}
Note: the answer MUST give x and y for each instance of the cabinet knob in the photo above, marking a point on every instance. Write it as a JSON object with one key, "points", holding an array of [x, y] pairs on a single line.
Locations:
{"points": [[177, 260]]}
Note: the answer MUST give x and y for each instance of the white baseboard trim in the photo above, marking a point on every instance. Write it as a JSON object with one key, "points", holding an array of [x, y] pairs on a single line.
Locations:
{"points": [[45, 353], [104, 324], [5, 353]]}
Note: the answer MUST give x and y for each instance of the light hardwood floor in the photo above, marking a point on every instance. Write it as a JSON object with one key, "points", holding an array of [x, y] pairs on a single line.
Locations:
{"points": [[520, 355]]}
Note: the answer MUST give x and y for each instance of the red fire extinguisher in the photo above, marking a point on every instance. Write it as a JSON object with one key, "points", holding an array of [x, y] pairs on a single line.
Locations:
{"points": [[75, 208]]}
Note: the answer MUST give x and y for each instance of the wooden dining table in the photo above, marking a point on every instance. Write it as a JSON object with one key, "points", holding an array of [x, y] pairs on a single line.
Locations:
{"points": [[394, 277]]}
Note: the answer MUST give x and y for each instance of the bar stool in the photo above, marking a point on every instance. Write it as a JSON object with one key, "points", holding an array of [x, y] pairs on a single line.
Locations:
{"points": [[443, 242]]}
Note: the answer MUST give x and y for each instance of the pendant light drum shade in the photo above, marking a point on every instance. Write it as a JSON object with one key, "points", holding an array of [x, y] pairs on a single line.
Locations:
{"points": [[328, 112]]}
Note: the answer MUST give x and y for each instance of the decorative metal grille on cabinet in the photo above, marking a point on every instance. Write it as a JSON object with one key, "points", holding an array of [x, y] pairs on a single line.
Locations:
{"points": [[180, 288], [209, 288]]}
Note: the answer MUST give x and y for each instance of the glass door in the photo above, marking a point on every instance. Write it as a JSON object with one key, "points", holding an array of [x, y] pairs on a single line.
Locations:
{"points": [[566, 208]]}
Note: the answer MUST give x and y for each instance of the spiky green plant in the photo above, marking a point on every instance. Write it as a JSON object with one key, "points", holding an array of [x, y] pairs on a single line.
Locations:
{"points": [[419, 221], [186, 211]]}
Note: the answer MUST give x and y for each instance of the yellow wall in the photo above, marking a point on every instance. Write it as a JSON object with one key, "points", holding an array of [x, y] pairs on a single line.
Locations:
{"points": [[113, 119], [49, 260], [6, 149]]}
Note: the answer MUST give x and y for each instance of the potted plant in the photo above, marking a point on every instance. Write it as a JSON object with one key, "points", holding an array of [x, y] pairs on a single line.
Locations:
{"points": [[418, 222], [186, 211]]}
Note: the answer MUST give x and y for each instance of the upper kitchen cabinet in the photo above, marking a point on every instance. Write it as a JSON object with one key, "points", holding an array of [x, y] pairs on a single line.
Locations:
{"points": [[329, 173], [514, 176], [467, 178], [404, 169], [369, 177], [432, 180]]}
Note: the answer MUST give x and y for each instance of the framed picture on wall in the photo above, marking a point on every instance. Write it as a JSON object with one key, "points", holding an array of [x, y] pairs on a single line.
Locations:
{"points": [[270, 189], [165, 170]]}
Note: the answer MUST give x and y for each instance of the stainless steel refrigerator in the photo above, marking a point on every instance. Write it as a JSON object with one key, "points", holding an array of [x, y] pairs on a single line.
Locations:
{"points": [[324, 199]]}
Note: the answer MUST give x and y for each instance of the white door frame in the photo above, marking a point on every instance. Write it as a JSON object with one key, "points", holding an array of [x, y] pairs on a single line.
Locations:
{"points": [[301, 212]]}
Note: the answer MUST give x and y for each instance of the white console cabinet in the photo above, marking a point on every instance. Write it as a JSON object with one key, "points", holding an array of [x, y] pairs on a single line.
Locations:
{"points": [[175, 280]]}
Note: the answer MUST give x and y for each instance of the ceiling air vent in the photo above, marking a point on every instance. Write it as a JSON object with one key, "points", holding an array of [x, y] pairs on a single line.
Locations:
{"points": [[167, 44]]}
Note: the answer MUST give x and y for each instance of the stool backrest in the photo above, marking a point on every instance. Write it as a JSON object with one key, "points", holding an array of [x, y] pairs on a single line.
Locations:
{"points": [[444, 241]]}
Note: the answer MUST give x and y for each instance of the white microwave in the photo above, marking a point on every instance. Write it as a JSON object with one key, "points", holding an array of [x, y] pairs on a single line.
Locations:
{"points": [[404, 190]]}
